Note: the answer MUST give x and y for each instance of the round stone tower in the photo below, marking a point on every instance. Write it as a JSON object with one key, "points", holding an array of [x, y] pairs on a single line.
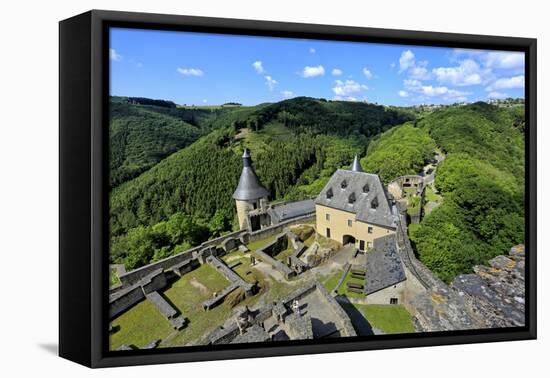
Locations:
{"points": [[250, 193]]}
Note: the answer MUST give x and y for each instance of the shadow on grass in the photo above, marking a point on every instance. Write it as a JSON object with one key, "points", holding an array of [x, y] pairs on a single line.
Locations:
{"points": [[361, 325]]}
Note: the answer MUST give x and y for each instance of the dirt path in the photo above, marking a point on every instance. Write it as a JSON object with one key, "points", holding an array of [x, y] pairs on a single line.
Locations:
{"points": [[203, 289]]}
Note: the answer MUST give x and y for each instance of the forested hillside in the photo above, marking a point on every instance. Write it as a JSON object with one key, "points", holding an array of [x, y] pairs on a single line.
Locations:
{"points": [[187, 162], [482, 183], [294, 150], [400, 151], [144, 131]]}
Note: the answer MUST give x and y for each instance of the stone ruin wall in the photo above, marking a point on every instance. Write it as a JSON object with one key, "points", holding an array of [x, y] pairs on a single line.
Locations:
{"points": [[136, 284], [491, 297], [241, 236]]}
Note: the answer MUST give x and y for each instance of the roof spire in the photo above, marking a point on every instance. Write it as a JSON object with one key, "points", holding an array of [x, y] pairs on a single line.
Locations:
{"points": [[356, 166], [250, 187]]}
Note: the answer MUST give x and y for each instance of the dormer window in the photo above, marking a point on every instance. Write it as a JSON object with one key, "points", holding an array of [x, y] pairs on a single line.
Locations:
{"points": [[374, 203], [351, 198], [366, 188], [330, 194], [344, 184]]}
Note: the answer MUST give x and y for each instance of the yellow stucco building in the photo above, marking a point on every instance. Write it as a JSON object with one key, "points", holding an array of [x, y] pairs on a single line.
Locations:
{"points": [[353, 208]]}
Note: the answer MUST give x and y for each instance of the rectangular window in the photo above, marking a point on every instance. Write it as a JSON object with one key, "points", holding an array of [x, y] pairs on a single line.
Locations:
{"points": [[393, 300], [350, 223], [327, 216], [370, 230], [361, 245], [369, 244], [328, 232]]}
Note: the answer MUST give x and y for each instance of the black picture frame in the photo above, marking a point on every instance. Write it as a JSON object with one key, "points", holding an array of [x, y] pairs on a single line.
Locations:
{"points": [[83, 196]]}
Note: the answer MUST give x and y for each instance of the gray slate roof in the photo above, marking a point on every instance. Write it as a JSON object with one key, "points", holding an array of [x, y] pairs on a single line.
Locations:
{"points": [[249, 188], [384, 267], [356, 181], [289, 210]]}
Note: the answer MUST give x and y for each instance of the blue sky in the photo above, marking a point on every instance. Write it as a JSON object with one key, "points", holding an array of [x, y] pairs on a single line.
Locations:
{"points": [[210, 69]]}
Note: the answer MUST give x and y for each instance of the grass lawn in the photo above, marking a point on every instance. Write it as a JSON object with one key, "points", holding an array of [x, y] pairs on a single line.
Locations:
{"points": [[253, 246], [343, 290], [244, 269], [331, 281], [144, 323], [283, 255], [139, 326], [187, 296], [388, 318]]}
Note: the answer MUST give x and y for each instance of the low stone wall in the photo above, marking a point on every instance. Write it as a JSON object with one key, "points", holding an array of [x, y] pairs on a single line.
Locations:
{"points": [[162, 305], [276, 229], [229, 274], [124, 300], [134, 276], [218, 299], [276, 264], [347, 326], [227, 243]]}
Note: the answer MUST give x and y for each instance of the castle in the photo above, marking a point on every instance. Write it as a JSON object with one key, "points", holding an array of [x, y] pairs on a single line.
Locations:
{"points": [[353, 207], [253, 209]]}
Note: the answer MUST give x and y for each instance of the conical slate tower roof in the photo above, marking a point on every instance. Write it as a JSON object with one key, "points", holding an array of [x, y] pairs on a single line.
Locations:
{"points": [[250, 188], [356, 166]]}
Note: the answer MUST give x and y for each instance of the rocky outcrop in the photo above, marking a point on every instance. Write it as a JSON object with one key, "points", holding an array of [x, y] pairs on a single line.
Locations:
{"points": [[491, 297]]}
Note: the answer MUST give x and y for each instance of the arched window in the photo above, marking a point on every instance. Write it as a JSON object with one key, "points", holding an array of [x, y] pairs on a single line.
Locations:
{"points": [[329, 193], [366, 188], [351, 198], [344, 184]]}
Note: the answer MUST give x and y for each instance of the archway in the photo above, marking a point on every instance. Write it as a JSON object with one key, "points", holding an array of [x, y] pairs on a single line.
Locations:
{"points": [[348, 239]]}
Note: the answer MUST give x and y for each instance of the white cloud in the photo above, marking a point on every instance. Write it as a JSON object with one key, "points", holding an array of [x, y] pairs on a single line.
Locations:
{"points": [[258, 66], [113, 55], [313, 71], [412, 83], [345, 89], [507, 83], [403, 93], [367, 73], [430, 91], [287, 94], [346, 98], [419, 73], [497, 95], [312, 50], [406, 60], [504, 60], [337, 72], [468, 72], [204, 101], [190, 71], [270, 82]]}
